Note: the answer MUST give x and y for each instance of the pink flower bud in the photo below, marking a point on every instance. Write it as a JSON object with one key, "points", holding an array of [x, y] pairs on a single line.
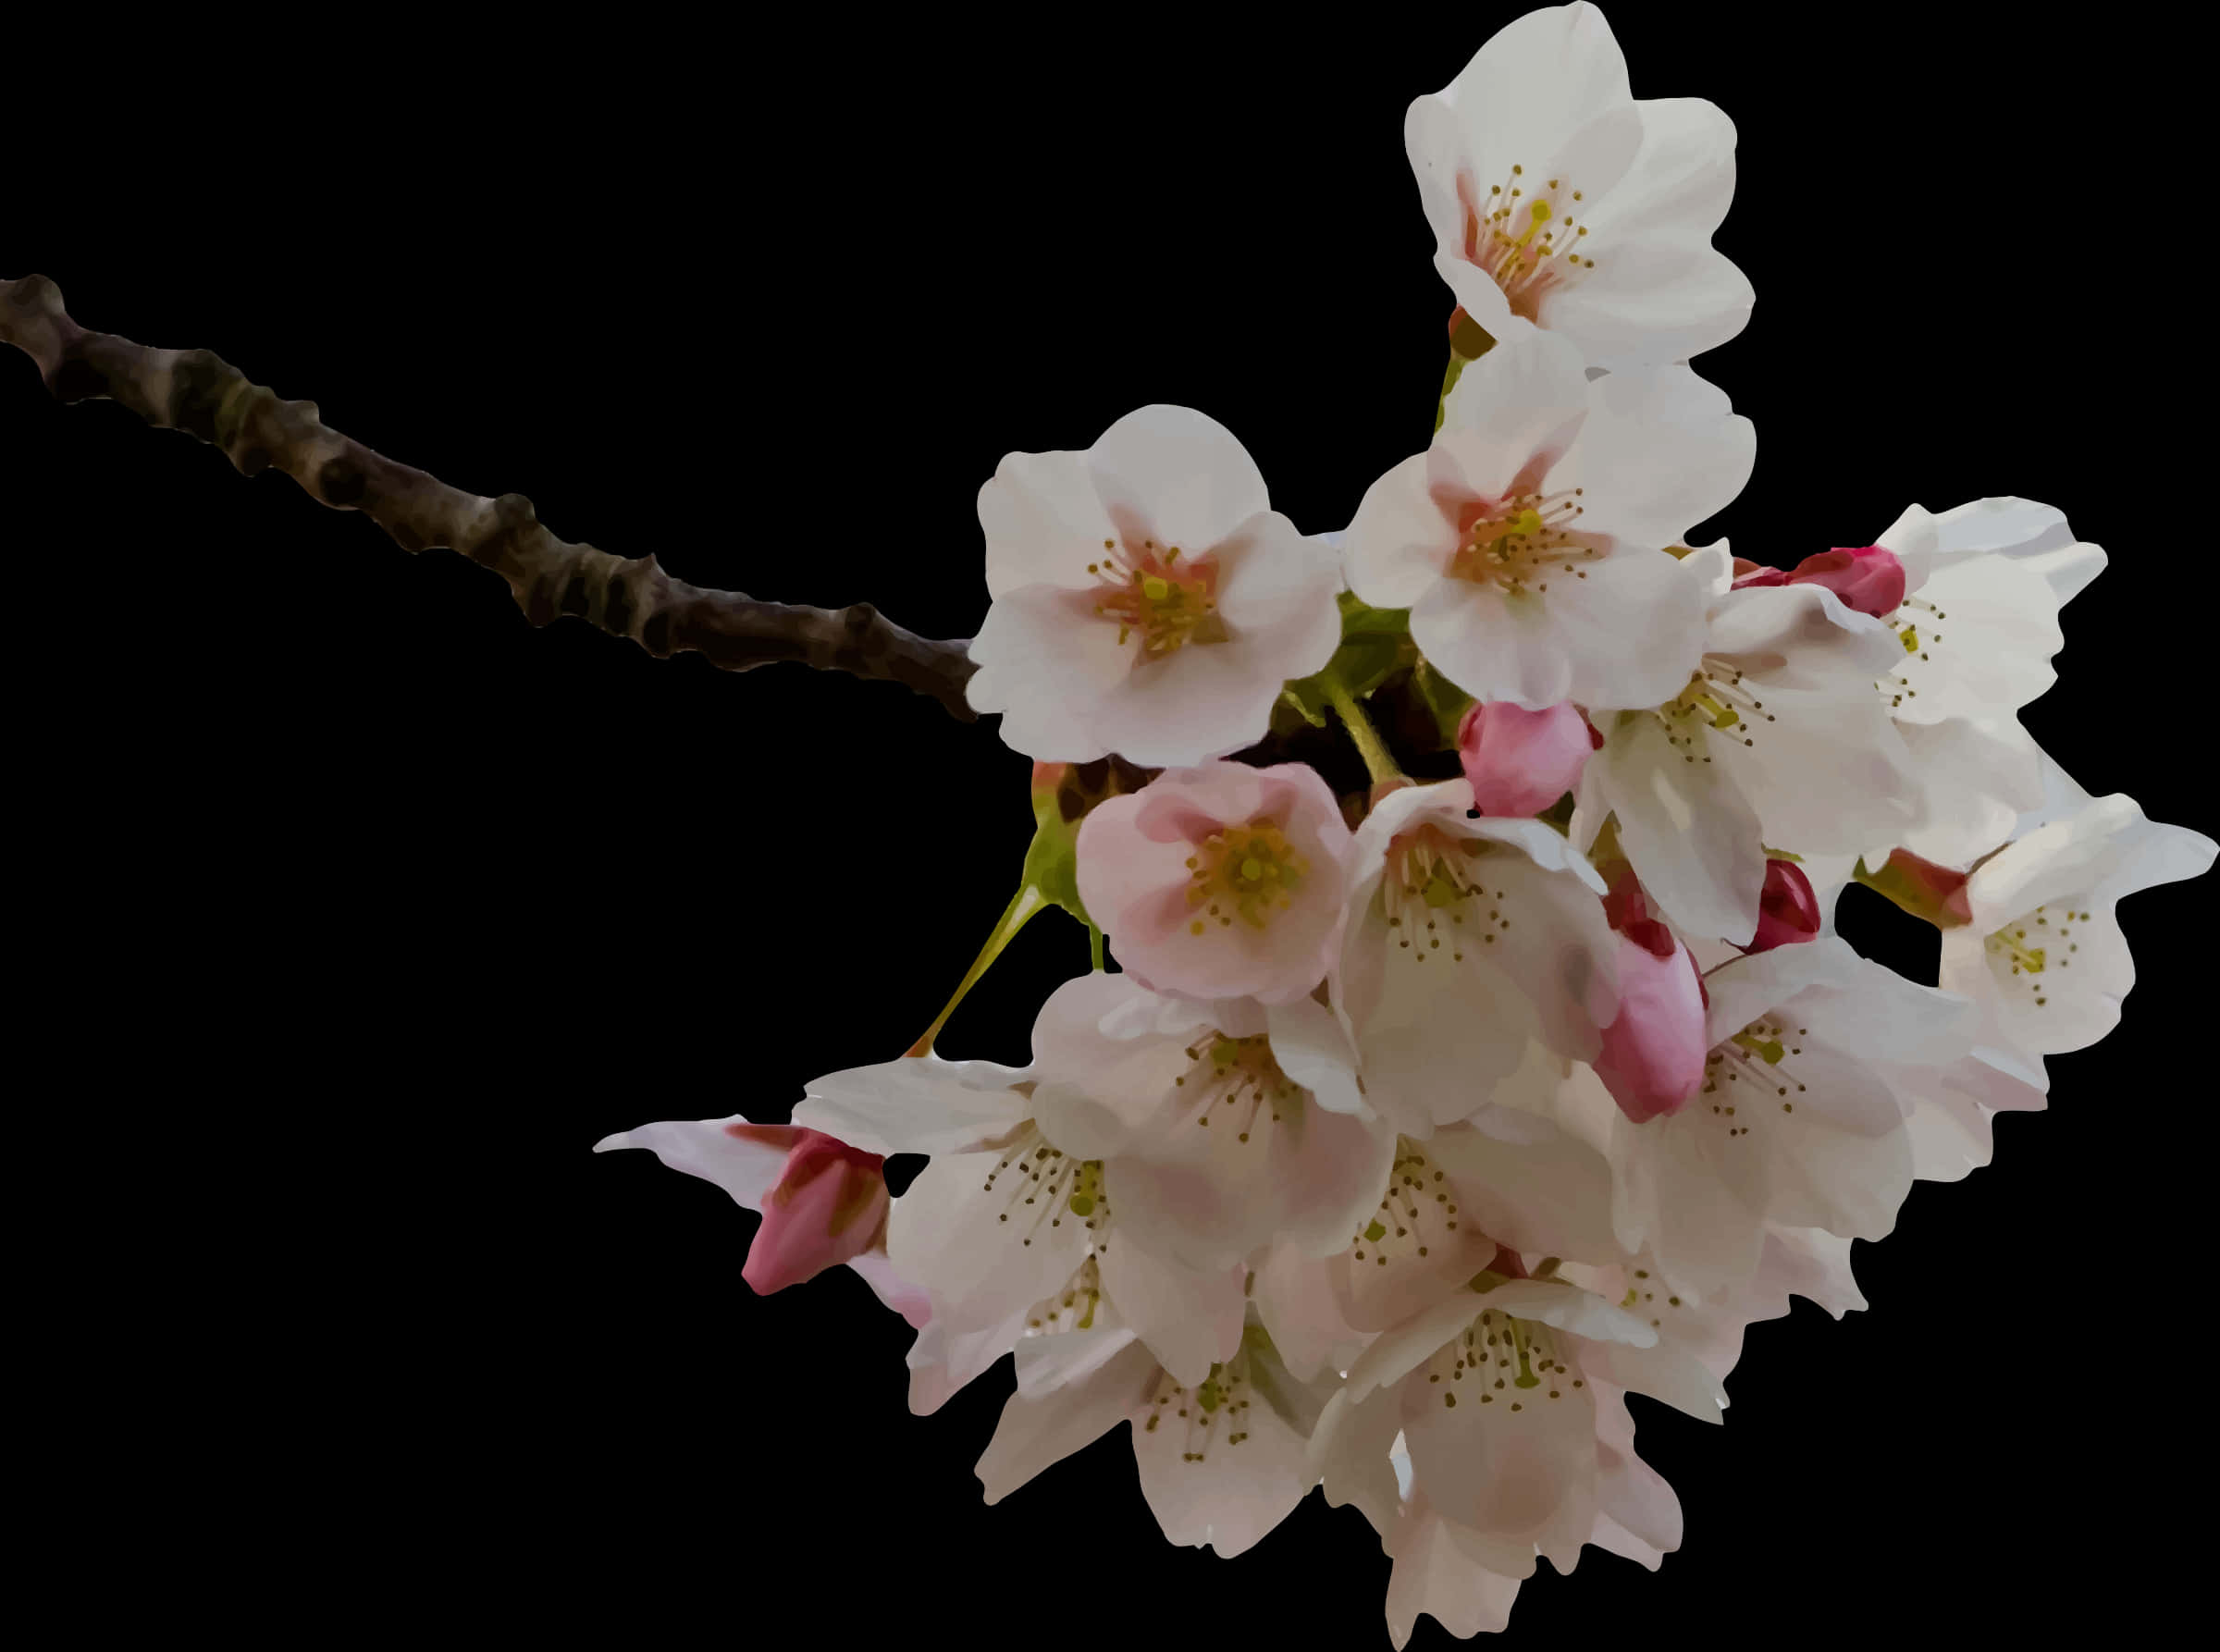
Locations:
{"points": [[1868, 577], [1652, 1059], [1520, 762], [1788, 911], [828, 1205]]}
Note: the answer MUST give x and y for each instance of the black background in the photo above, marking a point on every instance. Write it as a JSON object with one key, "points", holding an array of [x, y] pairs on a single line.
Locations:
{"points": [[381, 907]]}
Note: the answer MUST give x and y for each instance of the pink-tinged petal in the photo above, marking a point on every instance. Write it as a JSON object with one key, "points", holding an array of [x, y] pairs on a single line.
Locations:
{"points": [[1042, 522], [917, 1104], [1788, 911], [1525, 1180], [1294, 1297], [1191, 1318], [1519, 761], [1652, 1059], [954, 1235], [1037, 1432], [908, 1300], [1220, 881], [1218, 1476], [1176, 476], [830, 1202], [743, 1159], [1436, 1576]]}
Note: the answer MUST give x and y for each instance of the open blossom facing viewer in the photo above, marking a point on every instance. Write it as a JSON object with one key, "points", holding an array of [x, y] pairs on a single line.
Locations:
{"points": [[1147, 599], [1220, 881], [1528, 541], [1558, 199]]}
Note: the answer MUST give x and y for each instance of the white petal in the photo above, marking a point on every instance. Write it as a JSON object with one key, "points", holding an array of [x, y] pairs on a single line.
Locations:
{"points": [[1042, 520], [1176, 476], [1238, 1491], [1661, 450], [1034, 1434], [949, 1235], [1191, 1318], [1692, 838], [919, 1103], [745, 1169]]}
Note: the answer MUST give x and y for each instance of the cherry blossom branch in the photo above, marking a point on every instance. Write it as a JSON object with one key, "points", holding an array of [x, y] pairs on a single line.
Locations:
{"points": [[198, 392]]}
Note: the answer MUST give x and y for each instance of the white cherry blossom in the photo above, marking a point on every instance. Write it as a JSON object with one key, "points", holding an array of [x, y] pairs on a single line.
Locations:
{"points": [[1147, 599], [1223, 1458], [1494, 1392], [1003, 1218], [2043, 954], [1559, 199], [1527, 541], [1794, 1125], [1465, 937], [1777, 737]]}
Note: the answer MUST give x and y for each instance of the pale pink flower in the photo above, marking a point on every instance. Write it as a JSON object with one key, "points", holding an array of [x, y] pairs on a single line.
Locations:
{"points": [[1558, 199], [1147, 599], [1519, 761], [1221, 881], [1465, 938], [1528, 541], [1222, 1458]]}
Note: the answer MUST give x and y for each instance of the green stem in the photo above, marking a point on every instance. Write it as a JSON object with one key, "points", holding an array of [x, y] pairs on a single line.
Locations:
{"points": [[1095, 948], [1023, 904], [1377, 760]]}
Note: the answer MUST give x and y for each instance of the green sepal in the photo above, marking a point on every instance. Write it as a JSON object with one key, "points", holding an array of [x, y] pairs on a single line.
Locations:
{"points": [[1052, 862], [1447, 702], [1375, 644]]}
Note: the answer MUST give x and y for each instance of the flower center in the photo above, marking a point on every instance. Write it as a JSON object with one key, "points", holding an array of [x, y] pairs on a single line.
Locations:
{"points": [[1433, 876], [1517, 543], [2021, 952], [1714, 699], [1071, 1308], [1219, 1401], [1752, 1058], [1237, 1071], [1419, 1212], [1042, 1184], [1516, 1362], [1169, 602], [1917, 646], [1524, 237], [1243, 871]]}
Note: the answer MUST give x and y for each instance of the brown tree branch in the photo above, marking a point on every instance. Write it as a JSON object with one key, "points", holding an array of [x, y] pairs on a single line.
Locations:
{"points": [[198, 392]]}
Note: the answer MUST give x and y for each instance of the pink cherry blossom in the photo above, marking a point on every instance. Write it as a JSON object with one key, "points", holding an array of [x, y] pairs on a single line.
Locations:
{"points": [[1520, 762], [1867, 578], [1221, 881]]}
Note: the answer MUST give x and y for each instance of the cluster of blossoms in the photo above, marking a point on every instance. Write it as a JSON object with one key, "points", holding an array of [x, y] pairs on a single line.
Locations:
{"points": [[1419, 1127]]}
